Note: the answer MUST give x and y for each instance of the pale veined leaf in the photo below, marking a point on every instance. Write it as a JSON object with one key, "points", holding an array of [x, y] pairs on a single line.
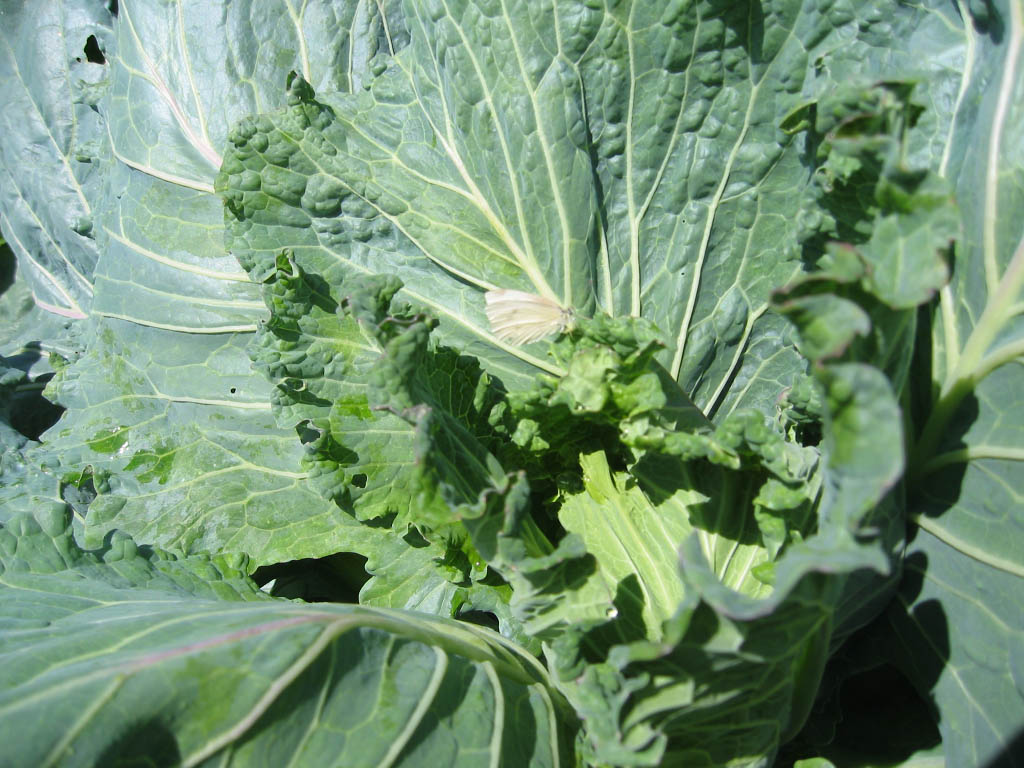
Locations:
{"points": [[517, 317]]}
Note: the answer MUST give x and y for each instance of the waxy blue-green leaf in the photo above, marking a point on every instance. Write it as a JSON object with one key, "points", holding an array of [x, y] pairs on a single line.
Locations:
{"points": [[649, 140], [967, 484], [539, 146], [214, 672], [181, 75], [971, 435], [51, 76], [188, 70], [956, 628], [964, 486], [28, 333], [164, 408]]}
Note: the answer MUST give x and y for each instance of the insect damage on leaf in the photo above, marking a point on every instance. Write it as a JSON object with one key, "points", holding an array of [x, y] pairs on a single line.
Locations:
{"points": [[517, 317]]}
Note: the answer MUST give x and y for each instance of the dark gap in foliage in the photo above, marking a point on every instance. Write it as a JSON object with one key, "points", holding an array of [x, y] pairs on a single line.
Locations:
{"points": [[878, 718], [413, 537], [359, 481], [922, 389], [112, 7], [492, 579], [93, 53], [868, 712], [334, 579], [31, 413], [8, 267], [809, 434], [480, 618], [384, 521], [544, 509]]}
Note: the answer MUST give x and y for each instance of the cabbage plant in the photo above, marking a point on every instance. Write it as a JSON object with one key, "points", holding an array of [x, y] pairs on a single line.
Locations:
{"points": [[511, 382]]}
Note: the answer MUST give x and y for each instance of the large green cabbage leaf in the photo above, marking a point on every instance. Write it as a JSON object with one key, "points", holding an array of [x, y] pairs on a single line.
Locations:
{"points": [[689, 500], [50, 172], [958, 623], [954, 628], [163, 405], [165, 413], [427, 173], [143, 656]]}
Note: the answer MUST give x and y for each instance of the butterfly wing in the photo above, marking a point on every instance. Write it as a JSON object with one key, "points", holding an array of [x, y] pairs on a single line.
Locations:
{"points": [[517, 317]]}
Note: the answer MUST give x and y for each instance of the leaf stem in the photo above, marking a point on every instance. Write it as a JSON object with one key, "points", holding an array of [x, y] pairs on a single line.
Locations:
{"points": [[974, 364]]}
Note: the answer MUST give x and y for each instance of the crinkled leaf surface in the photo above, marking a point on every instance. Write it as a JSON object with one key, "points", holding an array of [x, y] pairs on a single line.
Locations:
{"points": [[629, 160], [373, 396], [145, 656], [673, 161], [396, 428], [467, 166], [164, 407]]}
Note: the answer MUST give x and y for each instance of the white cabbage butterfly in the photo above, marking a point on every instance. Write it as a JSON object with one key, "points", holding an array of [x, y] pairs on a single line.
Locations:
{"points": [[517, 317]]}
